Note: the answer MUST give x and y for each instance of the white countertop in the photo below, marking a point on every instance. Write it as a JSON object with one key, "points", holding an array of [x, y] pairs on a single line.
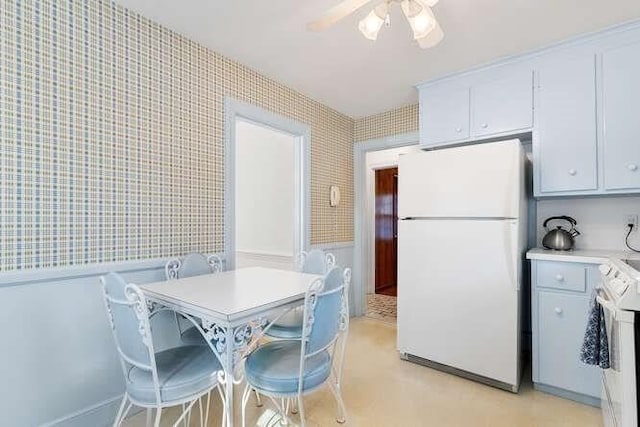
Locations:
{"points": [[591, 256]]}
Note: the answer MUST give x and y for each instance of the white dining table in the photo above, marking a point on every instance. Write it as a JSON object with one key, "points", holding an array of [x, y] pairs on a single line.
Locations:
{"points": [[232, 307]]}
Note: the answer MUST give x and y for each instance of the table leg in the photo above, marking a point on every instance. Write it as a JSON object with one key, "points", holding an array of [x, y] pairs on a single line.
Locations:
{"points": [[228, 371]]}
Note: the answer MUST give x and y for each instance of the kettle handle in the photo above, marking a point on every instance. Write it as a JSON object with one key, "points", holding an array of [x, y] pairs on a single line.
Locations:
{"points": [[570, 220]]}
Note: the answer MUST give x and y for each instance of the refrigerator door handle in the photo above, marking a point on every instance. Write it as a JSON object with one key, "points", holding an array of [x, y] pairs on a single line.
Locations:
{"points": [[511, 252]]}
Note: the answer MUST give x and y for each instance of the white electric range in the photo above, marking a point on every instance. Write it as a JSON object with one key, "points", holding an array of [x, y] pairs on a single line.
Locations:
{"points": [[619, 296]]}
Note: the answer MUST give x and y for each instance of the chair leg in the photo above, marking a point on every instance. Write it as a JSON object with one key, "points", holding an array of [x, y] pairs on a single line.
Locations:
{"points": [[337, 393], [224, 405], [258, 399], [206, 412], [294, 405], [149, 416], [121, 414], [185, 412], [158, 416], [301, 411], [200, 403], [245, 398]]}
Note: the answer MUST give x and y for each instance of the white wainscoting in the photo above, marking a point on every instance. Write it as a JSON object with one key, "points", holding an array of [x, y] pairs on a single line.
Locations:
{"points": [[58, 363], [343, 252], [254, 259]]}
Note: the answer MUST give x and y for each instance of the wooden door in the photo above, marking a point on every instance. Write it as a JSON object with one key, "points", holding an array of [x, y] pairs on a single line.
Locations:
{"points": [[386, 231]]}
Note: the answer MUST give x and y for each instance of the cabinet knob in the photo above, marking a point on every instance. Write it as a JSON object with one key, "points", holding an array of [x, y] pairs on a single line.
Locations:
{"points": [[572, 172], [558, 310], [484, 125], [559, 277], [458, 130], [632, 167]]}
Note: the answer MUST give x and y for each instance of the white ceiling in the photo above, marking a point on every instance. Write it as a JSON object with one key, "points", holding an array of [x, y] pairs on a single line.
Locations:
{"points": [[342, 69]]}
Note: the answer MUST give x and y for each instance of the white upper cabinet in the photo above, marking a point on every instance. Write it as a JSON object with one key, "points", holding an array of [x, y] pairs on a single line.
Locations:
{"points": [[502, 105], [444, 116], [621, 121], [496, 104], [578, 99], [566, 147]]}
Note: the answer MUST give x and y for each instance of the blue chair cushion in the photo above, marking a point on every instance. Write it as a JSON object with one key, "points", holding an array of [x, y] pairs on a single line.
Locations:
{"points": [[192, 336], [288, 326], [275, 367], [285, 332], [182, 372]]}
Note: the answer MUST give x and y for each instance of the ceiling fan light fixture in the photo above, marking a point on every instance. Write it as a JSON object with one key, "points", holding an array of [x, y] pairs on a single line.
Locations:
{"points": [[372, 23], [434, 37], [421, 21]]}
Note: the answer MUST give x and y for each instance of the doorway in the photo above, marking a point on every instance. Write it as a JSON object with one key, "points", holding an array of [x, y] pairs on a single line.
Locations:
{"points": [[250, 235], [382, 177], [386, 231]]}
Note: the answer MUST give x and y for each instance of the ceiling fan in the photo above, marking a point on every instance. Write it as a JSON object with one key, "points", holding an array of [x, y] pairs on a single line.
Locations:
{"points": [[425, 27]]}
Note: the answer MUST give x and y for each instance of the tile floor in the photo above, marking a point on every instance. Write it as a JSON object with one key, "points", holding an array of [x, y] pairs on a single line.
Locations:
{"points": [[382, 307], [382, 390]]}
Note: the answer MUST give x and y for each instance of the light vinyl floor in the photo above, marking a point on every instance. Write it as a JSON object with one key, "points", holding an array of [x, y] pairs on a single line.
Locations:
{"points": [[382, 390]]}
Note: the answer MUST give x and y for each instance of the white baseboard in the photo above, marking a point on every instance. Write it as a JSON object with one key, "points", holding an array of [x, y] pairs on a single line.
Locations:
{"points": [[98, 415]]}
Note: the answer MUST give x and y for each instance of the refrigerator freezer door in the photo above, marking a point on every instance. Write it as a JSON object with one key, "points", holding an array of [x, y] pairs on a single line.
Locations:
{"points": [[458, 295], [483, 180]]}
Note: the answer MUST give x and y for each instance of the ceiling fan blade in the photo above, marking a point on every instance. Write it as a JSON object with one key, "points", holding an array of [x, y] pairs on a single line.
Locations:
{"points": [[336, 13]]}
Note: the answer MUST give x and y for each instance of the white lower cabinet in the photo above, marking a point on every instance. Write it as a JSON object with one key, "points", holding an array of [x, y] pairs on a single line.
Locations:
{"points": [[560, 315]]}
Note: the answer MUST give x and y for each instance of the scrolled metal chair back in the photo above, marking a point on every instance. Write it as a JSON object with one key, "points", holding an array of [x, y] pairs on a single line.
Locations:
{"points": [[325, 311], [129, 318], [194, 264], [315, 262]]}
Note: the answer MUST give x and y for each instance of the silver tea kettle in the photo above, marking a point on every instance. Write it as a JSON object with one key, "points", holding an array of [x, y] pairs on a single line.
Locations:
{"points": [[558, 238]]}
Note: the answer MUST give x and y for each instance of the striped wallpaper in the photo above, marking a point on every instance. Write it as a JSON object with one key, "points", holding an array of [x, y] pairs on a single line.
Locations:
{"points": [[111, 138]]}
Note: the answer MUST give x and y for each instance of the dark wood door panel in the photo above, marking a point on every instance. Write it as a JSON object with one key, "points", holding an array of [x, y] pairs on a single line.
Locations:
{"points": [[386, 230]]}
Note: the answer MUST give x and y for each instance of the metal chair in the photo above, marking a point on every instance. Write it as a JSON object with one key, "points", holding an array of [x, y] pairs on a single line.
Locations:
{"points": [[289, 325], [178, 376], [194, 264], [290, 369]]}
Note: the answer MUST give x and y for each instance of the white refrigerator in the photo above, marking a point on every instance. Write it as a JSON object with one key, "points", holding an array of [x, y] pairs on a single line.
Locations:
{"points": [[461, 242]]}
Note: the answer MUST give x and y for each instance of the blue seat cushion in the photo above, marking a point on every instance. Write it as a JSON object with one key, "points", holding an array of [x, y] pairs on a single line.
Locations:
{"points": [[182, 372], [285, 332], [192, 336], [288, 326], [275, 367]]}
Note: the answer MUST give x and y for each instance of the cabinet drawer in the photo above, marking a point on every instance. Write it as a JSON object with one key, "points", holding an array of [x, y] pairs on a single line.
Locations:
{"points": [[562, 319], [561, 275]]}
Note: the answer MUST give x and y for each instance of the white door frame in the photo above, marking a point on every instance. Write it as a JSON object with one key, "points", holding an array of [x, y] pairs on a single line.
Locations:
{"points": [[235, 109], [362, 243]]}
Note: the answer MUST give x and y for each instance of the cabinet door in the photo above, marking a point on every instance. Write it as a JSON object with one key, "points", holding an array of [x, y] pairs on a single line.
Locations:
{"points": [[444, 116], [566, 125], [562, 319], [503, 105], [620, 91]]}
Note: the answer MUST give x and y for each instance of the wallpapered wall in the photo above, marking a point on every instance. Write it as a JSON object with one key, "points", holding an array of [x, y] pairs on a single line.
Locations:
{"points": [[394, 122], [111, 138]]}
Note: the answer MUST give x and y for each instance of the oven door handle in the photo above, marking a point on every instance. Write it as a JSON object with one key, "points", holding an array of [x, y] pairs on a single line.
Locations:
{"points": [[605, 303]]}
